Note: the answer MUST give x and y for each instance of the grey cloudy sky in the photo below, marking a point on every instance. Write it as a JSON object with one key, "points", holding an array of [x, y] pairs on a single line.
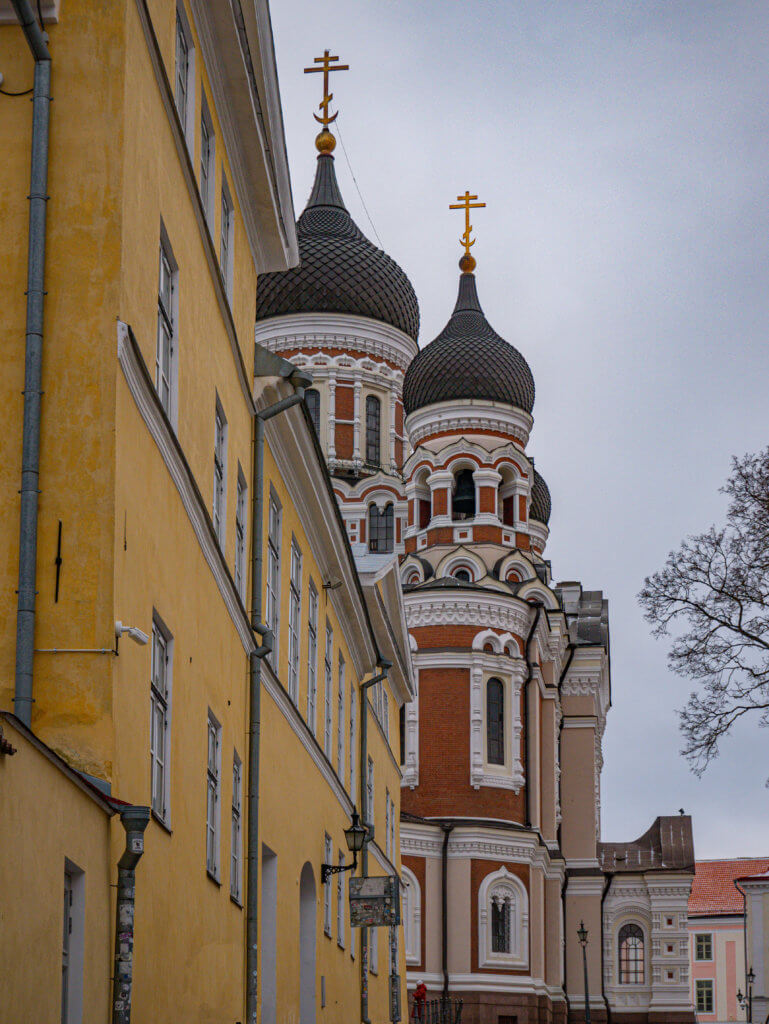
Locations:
{"points": [[622, 149]]}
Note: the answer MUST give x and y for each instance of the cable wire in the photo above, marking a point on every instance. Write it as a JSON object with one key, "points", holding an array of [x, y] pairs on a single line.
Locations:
{"points": [[24, 92], [355, 182]]}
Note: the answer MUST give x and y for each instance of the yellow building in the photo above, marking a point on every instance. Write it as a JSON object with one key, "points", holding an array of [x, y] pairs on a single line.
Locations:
{"points": [[160, 190]]}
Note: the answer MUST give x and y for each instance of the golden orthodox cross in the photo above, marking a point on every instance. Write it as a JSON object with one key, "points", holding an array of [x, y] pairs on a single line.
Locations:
{"points": [[466, 203], [327, 65]]}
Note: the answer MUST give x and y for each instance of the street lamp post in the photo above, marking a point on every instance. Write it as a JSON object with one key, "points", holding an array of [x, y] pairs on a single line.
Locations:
{"points": [[355, 836], [746, 1001], [582, 936]]}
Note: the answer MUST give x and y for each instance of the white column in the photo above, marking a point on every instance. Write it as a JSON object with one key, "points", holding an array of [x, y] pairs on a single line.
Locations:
{"points": [[441, 479], [331, 421], [485, 477], [356, 421]]}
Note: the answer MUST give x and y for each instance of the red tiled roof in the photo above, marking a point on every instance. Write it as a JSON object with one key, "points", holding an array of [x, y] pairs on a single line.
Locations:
{"points": [[713, 890]]}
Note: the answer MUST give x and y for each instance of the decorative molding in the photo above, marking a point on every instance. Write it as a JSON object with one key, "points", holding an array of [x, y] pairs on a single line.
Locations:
{"points": [[469, 414], [509, 775], [481, 610], [503, 887], [148, 404], [412, 917]]}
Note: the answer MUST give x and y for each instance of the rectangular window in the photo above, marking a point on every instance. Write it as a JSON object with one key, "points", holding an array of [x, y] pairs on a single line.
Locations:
{"points": [[340, 719], [704, 995], [160, 719], [369, 816], [165, 351], [207, 162], [294, 620], [236, 873], [312, 656], [272, 612], [183, 71], [220, 474], [353, 750], [392, 830], [703, 946], [226, 239], [388, 851], [402, 734], [340, 903], [241, 518], [386, 714], [213, 801], [327, 670], [327, 855]]}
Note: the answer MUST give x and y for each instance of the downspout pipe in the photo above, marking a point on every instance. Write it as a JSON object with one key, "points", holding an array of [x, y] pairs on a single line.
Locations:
{"points": [[135, 820], [527, 712], [447, 830], [560, 727], [609, 877], [367, 817], [33, 362], [745, 939], [299, 380]]}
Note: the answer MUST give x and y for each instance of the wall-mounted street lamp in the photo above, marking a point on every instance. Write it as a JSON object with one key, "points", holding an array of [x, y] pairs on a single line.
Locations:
{"points": [[582, 936], [355, 837], [746, 1001]]}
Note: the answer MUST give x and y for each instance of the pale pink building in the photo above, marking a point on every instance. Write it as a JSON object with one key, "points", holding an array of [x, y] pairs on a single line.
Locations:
{"points": [[717, 938]]}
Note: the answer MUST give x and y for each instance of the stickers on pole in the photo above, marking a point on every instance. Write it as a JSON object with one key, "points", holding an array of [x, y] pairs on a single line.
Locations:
{"points": [[375, 902]]}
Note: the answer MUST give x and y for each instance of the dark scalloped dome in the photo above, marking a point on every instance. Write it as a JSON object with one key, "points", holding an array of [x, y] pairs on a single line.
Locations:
{"points": [[541, 505], [468, 359], [340, 271]]}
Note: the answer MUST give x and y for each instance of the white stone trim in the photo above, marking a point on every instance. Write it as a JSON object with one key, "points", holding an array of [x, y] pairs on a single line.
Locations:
{"points": [[459, 415], [476, 609], [511, 672], [503, 881], [412, 916]]}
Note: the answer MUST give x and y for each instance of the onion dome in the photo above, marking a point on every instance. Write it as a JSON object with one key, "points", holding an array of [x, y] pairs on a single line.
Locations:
{"points": [[468, 359], [541, 505], [340, 271]]}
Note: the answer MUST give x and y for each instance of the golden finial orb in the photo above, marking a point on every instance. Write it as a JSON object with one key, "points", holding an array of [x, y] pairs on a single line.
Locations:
{"points": [[325, 141], [467, 263]]}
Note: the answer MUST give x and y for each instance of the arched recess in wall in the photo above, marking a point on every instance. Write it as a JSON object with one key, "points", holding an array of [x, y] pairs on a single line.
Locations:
{"points": [[307, 935], [412, 916], [503, 921]]}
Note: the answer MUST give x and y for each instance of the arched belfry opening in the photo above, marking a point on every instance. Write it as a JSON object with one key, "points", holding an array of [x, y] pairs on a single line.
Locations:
{"points": [[463, 495]]}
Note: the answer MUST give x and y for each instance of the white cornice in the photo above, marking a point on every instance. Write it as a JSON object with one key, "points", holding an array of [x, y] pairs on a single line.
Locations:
{"points": [[147, 402], [459, 415], [444, 608]]}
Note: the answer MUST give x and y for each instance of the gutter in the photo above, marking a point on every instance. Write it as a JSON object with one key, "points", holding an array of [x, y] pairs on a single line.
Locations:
{"points": [[37, 40], [299, 380], [526, 713], [609, 877]]}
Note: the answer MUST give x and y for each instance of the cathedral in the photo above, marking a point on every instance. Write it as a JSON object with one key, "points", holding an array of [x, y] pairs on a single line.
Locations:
{"points": [[512, 903]]}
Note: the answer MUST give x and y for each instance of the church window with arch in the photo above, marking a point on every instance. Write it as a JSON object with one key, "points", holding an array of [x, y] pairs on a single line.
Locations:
{"points": [[502, 910], [503, 921], [373, 430], [463, 495], [312, 401], [462, 574], [630, 944], [380, 529], [495, 722]]}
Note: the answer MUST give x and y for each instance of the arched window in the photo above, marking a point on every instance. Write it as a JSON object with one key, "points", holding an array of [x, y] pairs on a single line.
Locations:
{"points": [[412, 916], [380, 528], [503, 921], [373, 429], [495, 722], [463, 575], [631, 955], [463, 496], [502, 916], [312, 401]]}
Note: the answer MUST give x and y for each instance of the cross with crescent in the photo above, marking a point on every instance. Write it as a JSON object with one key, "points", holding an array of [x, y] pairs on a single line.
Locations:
{"points": [[467, 204], [327, 65]]}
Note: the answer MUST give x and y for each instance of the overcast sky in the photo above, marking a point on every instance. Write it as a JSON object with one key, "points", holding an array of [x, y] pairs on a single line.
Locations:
{"points": [[622, 150]]}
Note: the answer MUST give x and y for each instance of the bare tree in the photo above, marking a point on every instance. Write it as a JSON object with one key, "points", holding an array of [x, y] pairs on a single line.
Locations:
{"points": [[712, 596]]}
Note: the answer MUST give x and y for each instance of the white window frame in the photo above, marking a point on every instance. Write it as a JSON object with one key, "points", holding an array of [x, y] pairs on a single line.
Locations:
{"points": [[340, 903], [213, 794], [703, 982], [369, 810], [207, 162], [392, 830], [412, 917], [236, 835], [703, 959], [312, 656], [386, 714], [327, 855], [241, 526], [219, 507], [167, 339], [272, 603], [387, 823], [353, 747], [341, 717], [294, 620], [503, 883], [226, 237], [328, 670], [185, 81], [160, 706]]}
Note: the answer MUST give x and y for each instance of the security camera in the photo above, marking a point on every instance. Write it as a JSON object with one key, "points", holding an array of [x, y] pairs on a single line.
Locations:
{"points": [[136, 634], [332, 584]]}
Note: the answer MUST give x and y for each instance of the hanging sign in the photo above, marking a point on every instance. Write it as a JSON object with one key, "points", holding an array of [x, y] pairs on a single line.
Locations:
{"points": [[375, 902]]}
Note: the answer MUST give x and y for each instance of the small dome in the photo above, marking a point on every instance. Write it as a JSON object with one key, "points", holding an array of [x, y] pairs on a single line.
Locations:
{"points": [[340, 271], [541, 505], [468, 359]]}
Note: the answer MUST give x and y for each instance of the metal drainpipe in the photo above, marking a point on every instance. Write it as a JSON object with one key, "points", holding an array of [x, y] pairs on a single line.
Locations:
{"points": [[367, 817], [33, 362], [300, 381], [134, 821], [609, 878], [745, 940], [526, 711], [560, 730], [447, 830]]}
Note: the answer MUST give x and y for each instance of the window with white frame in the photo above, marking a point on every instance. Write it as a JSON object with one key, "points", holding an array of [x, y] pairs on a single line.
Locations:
{"points": [[241, 518], [294, 620], [207, 161], [327, 855], [340, 718], [312, 656], [160, 718], [353, 757], [165, 350], [630, 949], [226, 238], [704, 995], [386, 714], [369, 816], [236, 846], [327, 673], [214, 794], [703, 946], [391, 830], [272, 609], [412, 916], [503, 921], [220, 474], [183, 73], [387, 823], [340, 903]]}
